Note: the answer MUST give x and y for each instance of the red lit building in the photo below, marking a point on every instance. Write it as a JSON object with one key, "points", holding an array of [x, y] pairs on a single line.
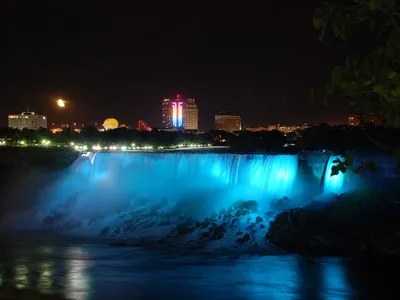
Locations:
{"points": [[361, 120]]}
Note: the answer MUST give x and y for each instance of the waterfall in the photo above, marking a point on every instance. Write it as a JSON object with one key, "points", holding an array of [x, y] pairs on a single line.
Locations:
{"points": [[333, 183], [101, 186], [273, 175]]}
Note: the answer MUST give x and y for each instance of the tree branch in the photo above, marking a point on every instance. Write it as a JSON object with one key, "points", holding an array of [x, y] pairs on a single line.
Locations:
{"points": [[375, 142], [364, 3], [352, 94]]}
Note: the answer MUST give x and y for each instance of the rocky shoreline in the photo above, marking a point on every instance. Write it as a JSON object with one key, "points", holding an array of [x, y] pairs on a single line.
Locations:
{"points": [[354, 224], [241, 228]]}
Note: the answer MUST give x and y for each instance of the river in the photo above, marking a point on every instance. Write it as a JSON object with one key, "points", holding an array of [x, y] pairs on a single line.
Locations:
{"points": [[82, 269]]}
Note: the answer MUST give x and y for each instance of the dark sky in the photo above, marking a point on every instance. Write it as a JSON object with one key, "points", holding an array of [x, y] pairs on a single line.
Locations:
{"points": [[120, 58]]}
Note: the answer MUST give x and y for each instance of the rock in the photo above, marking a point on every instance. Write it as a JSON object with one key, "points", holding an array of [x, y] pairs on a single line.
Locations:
{"points": [[204, 235], [347, 226], [259, 219], [105, 231], [185, 228], [251, 205], [217, 232], [244, 239]]}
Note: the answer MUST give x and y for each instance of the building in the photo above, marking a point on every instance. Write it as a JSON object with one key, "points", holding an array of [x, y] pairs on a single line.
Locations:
{"points": [[226, 122], [166, 115], [28, 120], [292, 128], [257, 129], [361, 120], [354, 120], [191, 115], [172, 112], [177, 113], [272, 127]]}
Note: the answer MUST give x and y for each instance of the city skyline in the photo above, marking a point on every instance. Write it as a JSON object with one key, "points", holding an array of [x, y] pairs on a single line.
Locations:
{"points": [[116, 63]]}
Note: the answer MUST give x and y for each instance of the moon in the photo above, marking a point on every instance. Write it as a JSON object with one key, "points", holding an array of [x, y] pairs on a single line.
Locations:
{"points": [[60, 102]]}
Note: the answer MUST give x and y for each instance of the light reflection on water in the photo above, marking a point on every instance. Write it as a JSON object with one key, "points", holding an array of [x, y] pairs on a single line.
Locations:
{"points": [[93, 271], [78, 280]]}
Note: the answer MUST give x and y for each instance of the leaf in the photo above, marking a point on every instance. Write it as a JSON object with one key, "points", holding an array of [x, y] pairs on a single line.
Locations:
{"points": [[342, 168], [395, 92], [362, 13], [337, 76], [334, 170], [367, 83], [392, 75], [380, 90], [372, 4], [349, 160], [366, 66], [318, 20], [390, 52]]}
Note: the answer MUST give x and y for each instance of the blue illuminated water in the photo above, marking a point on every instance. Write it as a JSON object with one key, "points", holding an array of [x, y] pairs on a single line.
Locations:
{"points": [[101, 186], [254, 176], [82, 270], [335, 183]]}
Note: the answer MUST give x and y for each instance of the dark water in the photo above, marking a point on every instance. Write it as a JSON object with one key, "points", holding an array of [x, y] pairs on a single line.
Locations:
{"points": [[81, 270]]}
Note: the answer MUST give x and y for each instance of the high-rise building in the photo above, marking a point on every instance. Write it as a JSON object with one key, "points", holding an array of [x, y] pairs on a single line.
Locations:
{"points": [[226, 122], [27, 120], [172, 113], [191, 115], [166, 113], [177, 113]]}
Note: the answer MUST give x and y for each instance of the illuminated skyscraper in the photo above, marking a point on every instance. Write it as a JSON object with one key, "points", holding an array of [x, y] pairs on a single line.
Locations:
{"points": [[166, 113], [191, 115], [172, 113], [177, 113]]}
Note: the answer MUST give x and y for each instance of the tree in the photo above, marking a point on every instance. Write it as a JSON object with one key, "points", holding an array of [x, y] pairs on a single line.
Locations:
{"points": [[373, 82]]}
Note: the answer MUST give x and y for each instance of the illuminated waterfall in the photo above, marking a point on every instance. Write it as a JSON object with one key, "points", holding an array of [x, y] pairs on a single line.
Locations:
{"points": [[263, 175], [335, 183], [103, 185]]}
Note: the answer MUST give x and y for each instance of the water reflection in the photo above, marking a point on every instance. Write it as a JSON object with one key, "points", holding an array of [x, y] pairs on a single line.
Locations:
{"points": [[334, 280], [45, 277], [21, 275], [88, 272], [265, 277], [78, 279]]}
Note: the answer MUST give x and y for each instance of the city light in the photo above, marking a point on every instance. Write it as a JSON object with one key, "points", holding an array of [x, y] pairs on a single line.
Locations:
{"points": [[87, 145], [61, 103], [180, 114], [174, 114], [177, 114]]}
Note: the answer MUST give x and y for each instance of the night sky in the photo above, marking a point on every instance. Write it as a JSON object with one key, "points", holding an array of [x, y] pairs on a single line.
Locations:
{"points": [[119, 59]]}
